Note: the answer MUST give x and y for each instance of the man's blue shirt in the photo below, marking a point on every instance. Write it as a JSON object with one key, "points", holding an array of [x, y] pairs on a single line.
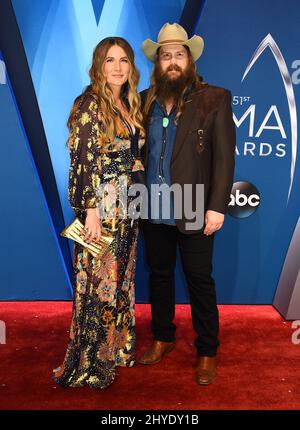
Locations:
{"points": [[161, 138]]}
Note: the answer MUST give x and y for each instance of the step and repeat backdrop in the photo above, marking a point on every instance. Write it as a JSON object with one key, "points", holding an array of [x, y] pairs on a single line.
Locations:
{"points": [[251, 48]]}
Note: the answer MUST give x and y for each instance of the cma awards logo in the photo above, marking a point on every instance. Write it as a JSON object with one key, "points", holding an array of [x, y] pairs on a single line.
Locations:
{"points": [[244, 200], [264, 149]]}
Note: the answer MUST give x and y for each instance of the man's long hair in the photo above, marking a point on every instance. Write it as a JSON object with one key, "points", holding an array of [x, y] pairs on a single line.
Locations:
{"points": [[190, 78], [109, 113]]}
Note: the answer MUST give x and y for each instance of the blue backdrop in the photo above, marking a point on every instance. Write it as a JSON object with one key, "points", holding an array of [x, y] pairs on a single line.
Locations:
{"points": [[250, 48], [33, 267]]}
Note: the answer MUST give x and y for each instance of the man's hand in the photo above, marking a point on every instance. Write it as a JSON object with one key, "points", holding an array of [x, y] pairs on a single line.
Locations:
{"points": [[213, 221]]}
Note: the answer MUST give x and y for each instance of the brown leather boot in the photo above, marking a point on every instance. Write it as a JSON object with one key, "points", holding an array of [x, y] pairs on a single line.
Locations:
{"points": [[156, 351], [206, 370]]}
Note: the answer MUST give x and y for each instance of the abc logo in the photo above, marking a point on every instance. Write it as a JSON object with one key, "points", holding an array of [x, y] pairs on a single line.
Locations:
{"points": [[244, 200]]}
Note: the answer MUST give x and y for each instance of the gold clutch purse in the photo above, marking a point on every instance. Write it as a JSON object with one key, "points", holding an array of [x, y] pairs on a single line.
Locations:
{"points": [[75, 231]]}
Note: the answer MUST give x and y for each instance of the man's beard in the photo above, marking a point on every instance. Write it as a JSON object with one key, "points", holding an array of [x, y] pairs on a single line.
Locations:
{"points": [[173, 87]]}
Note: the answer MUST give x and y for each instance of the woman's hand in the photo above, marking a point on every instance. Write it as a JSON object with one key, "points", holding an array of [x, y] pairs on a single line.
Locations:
{"points": [[92, 226]]}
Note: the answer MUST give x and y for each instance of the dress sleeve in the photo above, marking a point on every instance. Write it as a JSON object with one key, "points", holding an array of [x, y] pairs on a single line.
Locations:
{"points": [[85, 168]]}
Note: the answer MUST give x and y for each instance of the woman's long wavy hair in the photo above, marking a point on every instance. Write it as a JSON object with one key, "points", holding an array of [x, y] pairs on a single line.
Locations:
{"points": [[109, 114], [193, 79]]}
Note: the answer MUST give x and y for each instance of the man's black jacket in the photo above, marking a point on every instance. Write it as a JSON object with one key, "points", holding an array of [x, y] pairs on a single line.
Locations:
{"points": [[204, 148]]}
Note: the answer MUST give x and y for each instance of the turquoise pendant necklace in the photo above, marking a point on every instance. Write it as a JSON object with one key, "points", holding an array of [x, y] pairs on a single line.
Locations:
{"points": [[165, 122]]}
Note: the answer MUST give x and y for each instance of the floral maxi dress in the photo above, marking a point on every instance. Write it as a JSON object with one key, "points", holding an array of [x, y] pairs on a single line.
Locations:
{"points": [[102, 332]]}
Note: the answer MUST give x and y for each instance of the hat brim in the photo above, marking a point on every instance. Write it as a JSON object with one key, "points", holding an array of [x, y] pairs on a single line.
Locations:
{"points": [[195, 45]]}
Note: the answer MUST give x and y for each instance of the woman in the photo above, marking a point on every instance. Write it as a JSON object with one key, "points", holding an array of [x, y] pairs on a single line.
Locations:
{"points": [[106, 135]]}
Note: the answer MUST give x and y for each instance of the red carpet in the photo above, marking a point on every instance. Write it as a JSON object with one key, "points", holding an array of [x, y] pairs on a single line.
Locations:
{"points": [[259, 366]]}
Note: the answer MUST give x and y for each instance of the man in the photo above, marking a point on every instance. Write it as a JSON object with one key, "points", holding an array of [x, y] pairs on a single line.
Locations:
{"points": [[190, 140]]}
